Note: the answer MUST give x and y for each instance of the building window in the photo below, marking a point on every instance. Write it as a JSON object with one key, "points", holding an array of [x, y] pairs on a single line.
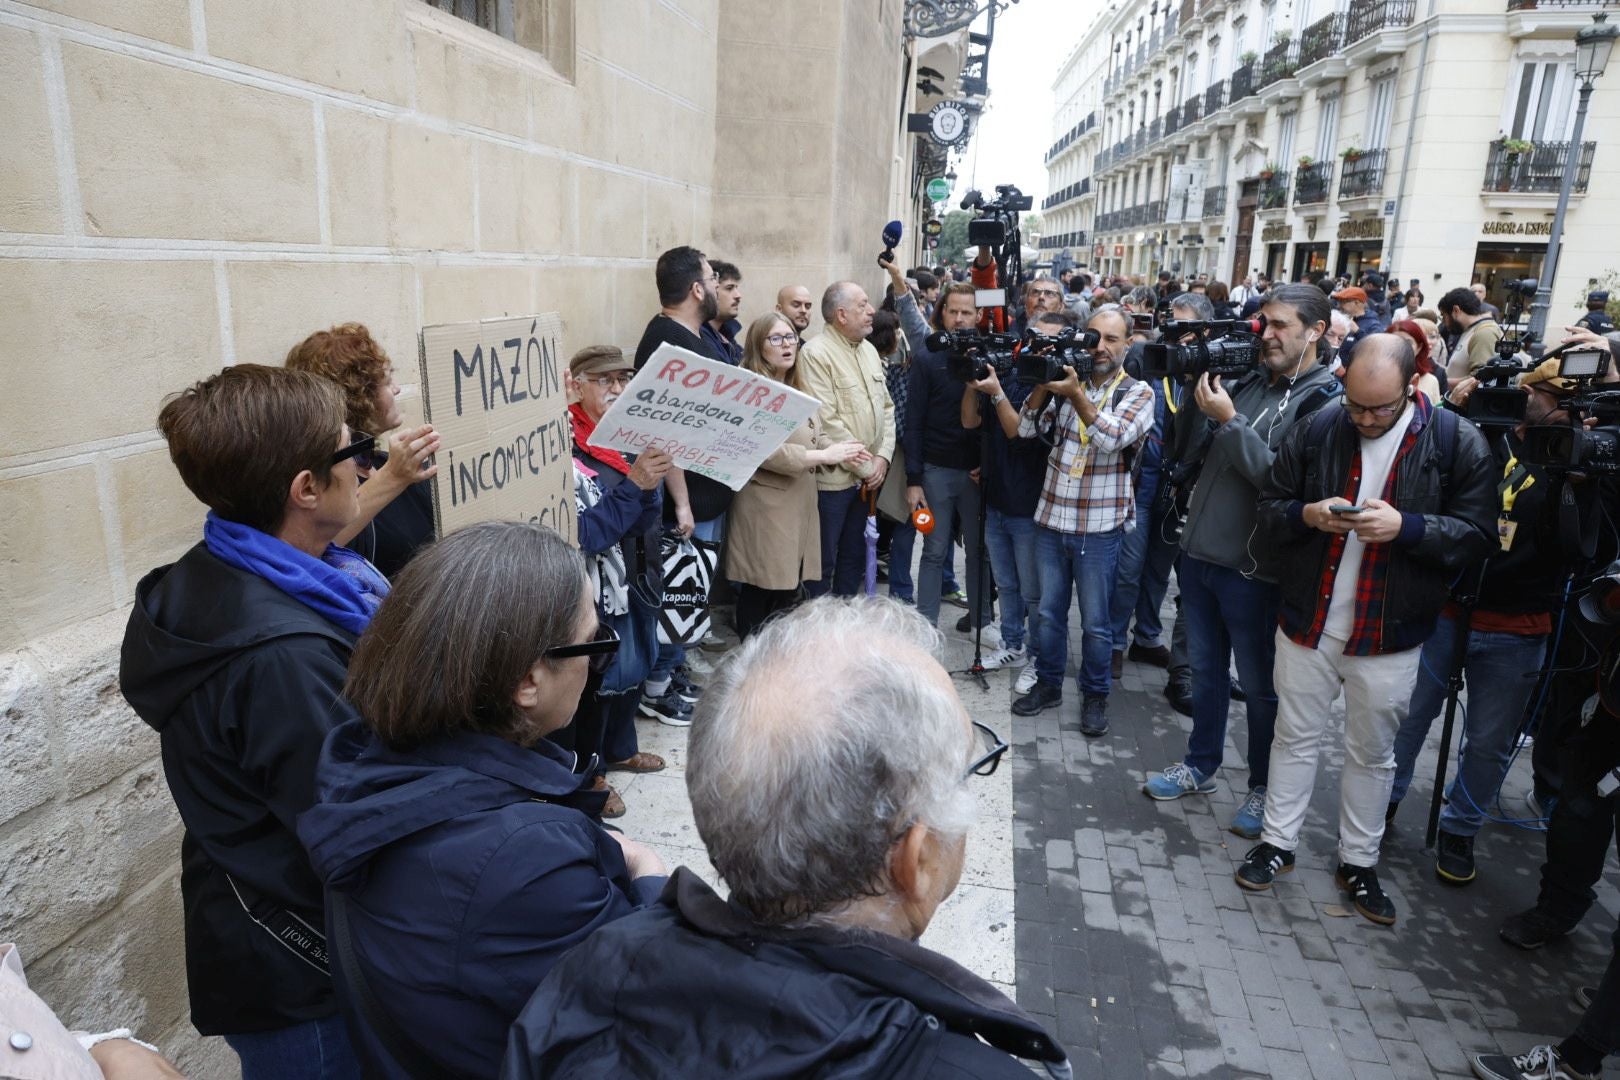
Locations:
{"points": [[1285, 138], [544, 26], [1328, 133], [493, 15], [1380, 112], [1538, 100]]}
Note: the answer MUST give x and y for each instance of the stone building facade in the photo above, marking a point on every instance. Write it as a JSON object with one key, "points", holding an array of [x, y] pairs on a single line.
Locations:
{"points": [[189, 183], [1224, 136]]}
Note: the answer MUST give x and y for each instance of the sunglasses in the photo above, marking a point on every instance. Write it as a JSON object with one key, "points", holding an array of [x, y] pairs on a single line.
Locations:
{"points": [[363, 444], [601, 648]]}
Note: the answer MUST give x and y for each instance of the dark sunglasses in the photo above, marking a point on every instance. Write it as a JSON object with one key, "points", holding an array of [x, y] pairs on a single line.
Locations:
{"points": [[602, 648], [363, 444], [994, 750]]}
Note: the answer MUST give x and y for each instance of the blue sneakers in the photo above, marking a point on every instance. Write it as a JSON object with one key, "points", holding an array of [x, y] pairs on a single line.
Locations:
{"points": [[1251, 816], [1178, 780]]}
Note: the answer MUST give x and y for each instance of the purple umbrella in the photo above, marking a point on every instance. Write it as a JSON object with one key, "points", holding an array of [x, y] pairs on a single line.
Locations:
{"points": [[870, 499]]}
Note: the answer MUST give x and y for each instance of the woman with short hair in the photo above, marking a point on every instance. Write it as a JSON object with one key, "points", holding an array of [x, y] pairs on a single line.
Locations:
{"points": [[1429, 377], [396, 500], [460, 851], [1220, 298], [773, 545]]}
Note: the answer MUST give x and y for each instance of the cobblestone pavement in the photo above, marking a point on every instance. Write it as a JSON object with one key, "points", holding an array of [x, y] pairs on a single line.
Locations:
{"points": [[1137, 948]]}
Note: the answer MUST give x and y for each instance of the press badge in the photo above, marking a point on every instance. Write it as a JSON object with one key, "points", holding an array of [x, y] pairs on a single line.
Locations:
{"points": [[1078, 469], [1504, 532]]}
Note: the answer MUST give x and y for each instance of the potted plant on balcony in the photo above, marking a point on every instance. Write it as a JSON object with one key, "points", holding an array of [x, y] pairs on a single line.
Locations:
{"points": [[1269, 170], [1249, 56], [1352, 153], [1306, 161], [1514, 148]]}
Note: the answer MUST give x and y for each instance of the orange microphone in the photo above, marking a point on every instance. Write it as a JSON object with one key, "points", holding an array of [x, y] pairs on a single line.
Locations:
{"points": [[922, 519]]}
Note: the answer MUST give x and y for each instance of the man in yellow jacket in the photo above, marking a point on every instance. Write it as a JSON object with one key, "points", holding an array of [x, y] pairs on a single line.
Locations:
{"points": [[843, 370]]}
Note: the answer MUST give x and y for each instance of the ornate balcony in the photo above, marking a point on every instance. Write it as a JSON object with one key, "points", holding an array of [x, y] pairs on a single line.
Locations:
{"points": [[1191, 110], [1314, 183], [1274, 191], [1539, 170], [1367, 17], [1322, 39], [1172, 121], [1280, 62], [1242, 83], [1153, 213], [1215, 98], [1363, 177], [1215, 201]]}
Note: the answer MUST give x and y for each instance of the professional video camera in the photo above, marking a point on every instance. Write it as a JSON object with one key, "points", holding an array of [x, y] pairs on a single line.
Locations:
{"points": [[996, 221], [1519, 292], [970, 354], [1044, 356], [1496, 402], [1574, 447], [1225, 347]]}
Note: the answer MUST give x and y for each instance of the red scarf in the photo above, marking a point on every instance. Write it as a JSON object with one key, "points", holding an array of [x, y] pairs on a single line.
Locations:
{"points": [[583, 427]]}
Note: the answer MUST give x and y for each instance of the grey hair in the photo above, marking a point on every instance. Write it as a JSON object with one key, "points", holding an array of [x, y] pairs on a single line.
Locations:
{"points": [[819, 741], [1197, 303], [837, 295], [1343, 321], [1142, 295]]}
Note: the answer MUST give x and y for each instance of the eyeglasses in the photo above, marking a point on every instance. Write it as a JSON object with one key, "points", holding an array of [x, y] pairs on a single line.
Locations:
{"points": [[619, 381], [602, 648], [363, 444], [779, 340], [1382, 412], [994, 748], [1050, 294]]}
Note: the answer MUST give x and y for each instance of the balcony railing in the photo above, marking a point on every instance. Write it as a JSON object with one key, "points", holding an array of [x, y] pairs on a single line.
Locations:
{"points": [[1242, 83], [1154, 213], [1322, 39], [1274, 191], [1076, 238], [1370, 16], [1215, 201], [1363, 176], [1280, 62], [1314, 183], [1539, 170], [1191, 110], [1215, 98], [1172, 121]]}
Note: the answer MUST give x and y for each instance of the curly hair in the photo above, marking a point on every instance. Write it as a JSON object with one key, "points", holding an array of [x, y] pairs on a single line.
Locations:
{"points": [[349, 356]]}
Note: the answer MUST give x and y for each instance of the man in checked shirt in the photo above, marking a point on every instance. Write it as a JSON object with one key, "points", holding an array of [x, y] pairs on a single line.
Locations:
{"points": [[1087, 505]]}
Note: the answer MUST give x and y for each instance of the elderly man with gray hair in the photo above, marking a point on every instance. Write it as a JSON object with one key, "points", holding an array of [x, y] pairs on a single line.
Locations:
{"points": [[840, 829]]}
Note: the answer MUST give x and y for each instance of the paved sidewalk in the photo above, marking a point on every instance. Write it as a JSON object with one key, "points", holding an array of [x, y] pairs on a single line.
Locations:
{"points": [[1137, 948]]}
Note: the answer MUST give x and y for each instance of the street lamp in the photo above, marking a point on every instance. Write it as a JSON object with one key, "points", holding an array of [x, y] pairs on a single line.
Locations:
{"points": [[1592, 48]]}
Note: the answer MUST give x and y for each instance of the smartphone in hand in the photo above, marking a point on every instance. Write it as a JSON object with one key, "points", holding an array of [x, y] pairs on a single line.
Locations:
{"points": [[1346, 509]]}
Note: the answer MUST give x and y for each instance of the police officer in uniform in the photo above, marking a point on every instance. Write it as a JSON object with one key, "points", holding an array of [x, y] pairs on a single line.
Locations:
{"points": [[1597, 318]]}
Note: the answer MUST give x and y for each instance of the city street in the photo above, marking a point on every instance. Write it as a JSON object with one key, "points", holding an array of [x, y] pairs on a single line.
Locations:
{"points": [[1135, 947]]}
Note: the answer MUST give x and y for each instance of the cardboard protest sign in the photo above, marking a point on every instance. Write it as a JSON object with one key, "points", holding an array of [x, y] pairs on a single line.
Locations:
{"points": [[494, 390], [713, 419]]}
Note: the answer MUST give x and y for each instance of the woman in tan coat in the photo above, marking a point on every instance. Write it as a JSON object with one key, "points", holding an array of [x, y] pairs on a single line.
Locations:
{"points": [[773, 532]]}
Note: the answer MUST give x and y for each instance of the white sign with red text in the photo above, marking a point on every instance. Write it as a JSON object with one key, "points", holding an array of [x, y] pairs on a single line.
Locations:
{"points": [[713, 419]]}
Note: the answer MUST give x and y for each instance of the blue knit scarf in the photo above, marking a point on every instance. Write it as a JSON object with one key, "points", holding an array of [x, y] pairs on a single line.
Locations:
{"points": [[341, 587]]}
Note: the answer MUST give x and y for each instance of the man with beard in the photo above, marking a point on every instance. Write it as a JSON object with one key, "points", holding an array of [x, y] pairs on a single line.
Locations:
{"points": [[794, 302], [721, 331], [1086, 506], [1471, 328], [693, 505]]}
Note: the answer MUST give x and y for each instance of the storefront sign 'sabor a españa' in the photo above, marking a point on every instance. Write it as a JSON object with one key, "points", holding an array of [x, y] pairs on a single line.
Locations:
{"points": [[715, 420], [494, 389]]}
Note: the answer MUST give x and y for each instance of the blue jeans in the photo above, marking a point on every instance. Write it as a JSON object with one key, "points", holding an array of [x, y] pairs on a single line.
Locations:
{"points": [[954, 499], [1500, 673], [901, 545], [1229, 615], [313, 1050], [1082, 563], [1010, 541], [1145, 559], [843, 543]]}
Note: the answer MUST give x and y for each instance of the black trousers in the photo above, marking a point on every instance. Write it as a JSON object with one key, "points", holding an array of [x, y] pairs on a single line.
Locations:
{"points": [[756, 605], [1583, 823]]}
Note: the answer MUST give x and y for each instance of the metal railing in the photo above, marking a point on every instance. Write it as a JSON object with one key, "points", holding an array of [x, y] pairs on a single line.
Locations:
{"points": [[1215, 201], [1538, 170], [1322, 39], [1172, 121], [1242, 83], [1364, 175], [1215, 98], [1313, 183], [1192, 110], [1074, 238], [1153, 212], [1370, 16], [1280, 62], [1274, 191]]}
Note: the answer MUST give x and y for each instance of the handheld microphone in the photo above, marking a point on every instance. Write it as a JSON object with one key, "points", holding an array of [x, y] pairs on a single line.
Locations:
{"points": [[891, 237]]}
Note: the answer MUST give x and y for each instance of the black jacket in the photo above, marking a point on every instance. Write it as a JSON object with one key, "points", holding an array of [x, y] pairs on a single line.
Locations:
{"points": [[694, 988], [242, 683], [1443, 531], [933, 433]]}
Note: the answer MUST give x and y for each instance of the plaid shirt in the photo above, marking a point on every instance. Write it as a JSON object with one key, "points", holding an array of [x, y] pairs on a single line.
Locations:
{"points": [[1103, 498], [1366, 633]]}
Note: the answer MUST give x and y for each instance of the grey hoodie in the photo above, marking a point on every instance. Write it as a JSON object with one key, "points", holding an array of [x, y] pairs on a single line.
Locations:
{"points": [[1220, 525]]}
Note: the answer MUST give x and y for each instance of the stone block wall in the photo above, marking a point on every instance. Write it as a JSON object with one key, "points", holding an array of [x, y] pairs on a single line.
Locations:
{"points": [[190, 183]]}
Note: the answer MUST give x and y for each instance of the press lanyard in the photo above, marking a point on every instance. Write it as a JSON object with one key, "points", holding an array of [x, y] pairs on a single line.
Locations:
{"points": [[1170, 397], [1508, 489], [1108, 392]]}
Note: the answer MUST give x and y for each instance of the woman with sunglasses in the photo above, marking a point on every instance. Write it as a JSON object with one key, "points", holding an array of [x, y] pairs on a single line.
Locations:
{"points": [[396, 500], [460, 850], [773, 544]]}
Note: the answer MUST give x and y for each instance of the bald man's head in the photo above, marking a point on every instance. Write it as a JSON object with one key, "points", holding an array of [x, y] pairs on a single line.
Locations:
{"points": [[795, 302], [1378, 382]]}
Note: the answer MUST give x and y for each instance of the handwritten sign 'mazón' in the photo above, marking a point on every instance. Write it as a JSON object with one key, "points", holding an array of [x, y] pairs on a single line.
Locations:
{"points": [[494, 390], [713, 419]]}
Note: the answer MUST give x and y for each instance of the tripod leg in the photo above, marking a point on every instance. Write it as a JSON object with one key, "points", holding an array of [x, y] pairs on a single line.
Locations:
{"points": [[1454, 683]]}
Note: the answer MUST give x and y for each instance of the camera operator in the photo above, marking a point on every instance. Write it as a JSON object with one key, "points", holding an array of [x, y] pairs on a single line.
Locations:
{"points": [[939, 453], [1371, 508], [1085, 507], [1228, 598], [1477, 333], [1510, 620]]}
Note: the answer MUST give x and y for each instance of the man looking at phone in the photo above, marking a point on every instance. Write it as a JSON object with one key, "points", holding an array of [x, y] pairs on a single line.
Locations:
{"points": [[1370, 511]]}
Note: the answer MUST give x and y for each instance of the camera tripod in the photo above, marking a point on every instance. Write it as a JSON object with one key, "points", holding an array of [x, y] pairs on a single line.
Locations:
{"points": [[978, 603]]}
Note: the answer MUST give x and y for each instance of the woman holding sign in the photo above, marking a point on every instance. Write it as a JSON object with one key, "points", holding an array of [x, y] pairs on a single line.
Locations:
{"points": [[774, 542]]}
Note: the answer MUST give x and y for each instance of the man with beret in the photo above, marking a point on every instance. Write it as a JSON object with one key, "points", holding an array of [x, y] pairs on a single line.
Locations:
{"points": [[1597, 318], [1507, 634], [1353, 302]]}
